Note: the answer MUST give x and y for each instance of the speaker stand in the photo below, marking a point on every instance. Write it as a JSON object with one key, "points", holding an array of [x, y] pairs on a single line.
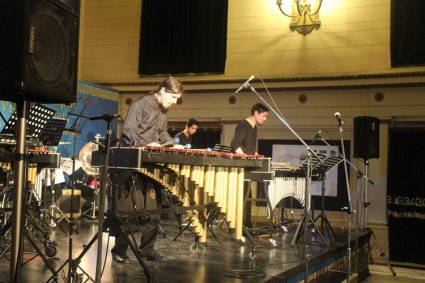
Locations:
{"points": [[22, 111]]}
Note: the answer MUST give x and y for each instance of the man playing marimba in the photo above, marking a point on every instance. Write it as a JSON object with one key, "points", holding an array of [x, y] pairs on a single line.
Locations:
{"points": [[145, 125]]}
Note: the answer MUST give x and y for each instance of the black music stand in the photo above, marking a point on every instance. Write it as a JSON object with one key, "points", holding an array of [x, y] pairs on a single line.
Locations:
{"points": [[52, 133], [328, 164], [308, 167], [39, 115]]}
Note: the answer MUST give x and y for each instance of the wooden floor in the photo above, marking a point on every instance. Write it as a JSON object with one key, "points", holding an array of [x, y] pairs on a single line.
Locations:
{"points": [[221, 260]]}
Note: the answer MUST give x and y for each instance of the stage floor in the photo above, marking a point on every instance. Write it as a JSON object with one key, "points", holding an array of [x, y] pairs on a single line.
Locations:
{"points": [[222, 260]]}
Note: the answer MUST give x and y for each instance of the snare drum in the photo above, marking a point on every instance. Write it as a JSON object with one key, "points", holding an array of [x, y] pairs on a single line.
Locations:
{"points": [[91, 182]]}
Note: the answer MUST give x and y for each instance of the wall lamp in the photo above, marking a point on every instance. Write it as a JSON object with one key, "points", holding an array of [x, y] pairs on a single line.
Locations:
{"points": [[304, 15]]}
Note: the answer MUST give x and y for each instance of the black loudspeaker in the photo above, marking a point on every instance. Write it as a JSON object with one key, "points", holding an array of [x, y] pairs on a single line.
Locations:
{"points": [[39, 50], [366, 137]]}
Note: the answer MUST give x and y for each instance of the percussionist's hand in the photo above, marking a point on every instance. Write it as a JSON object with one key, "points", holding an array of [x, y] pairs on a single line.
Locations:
{"points": [[178, 146], [153, 144]]}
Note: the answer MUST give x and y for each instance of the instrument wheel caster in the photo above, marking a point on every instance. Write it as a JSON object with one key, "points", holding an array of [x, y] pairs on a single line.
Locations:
{"points": [[252, 254], [50, 250], [194, 248]]}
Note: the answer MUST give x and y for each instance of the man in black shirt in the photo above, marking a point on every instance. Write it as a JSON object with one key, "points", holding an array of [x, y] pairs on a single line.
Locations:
{"points": [[145, 125], [185, 136], [245, 142], [245, 139]]}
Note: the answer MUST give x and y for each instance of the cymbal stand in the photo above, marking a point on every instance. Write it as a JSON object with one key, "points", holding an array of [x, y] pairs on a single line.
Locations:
{"points": [[73, 265], [309, 153]]}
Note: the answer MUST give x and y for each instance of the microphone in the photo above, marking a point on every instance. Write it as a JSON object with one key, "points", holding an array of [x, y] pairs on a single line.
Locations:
{"points": [[338, 118], [104, 117], [245, 84]]}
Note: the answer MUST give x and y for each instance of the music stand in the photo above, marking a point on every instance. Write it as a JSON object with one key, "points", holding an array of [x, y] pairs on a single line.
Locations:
{"points": [[52, 133], [328, 165], [39, 115], [308, 167]]}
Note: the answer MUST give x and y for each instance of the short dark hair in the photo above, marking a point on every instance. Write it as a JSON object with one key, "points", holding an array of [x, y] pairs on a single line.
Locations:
{"points": [[192, 122], [260, 108]]}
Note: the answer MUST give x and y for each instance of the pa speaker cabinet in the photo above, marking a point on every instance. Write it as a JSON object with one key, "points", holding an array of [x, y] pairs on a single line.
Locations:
{"points": [[39, 50], [65, 203], [366, 137]]}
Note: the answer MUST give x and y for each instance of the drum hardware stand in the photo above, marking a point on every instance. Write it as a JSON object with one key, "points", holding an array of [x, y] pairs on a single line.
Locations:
{"points": [[53, 207], [93, 207], [308, 182]]}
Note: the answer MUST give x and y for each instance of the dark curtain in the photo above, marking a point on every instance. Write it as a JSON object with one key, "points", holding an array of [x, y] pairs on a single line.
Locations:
{"points": [[407, 33], [183, 36], [406, 195]]}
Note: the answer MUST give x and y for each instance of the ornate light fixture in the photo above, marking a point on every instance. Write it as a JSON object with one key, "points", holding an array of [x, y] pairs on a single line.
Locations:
{"points": [[304, 15]]}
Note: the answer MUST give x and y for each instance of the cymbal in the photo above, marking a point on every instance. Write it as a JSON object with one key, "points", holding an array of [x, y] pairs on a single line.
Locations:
{"points": [[85, 157]]}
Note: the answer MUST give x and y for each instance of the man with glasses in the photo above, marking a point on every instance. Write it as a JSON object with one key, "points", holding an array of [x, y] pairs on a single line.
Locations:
{"points": [[145, 125]]}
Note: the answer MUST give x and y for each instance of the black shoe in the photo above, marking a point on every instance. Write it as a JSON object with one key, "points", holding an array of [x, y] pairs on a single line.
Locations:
{"points": [[120, 259], [154, 256]]}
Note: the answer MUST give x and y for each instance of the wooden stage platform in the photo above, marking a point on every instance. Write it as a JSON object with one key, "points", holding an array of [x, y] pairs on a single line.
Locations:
{"points": [[222, 260]]}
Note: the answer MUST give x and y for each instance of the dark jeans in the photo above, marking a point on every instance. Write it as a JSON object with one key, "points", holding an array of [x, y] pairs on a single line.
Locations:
{"points": [[150, 200]]}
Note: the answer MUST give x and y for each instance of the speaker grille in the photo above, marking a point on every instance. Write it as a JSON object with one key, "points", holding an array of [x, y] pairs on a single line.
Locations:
{"points": [[49, 63], [50, 57], [40, 51]]}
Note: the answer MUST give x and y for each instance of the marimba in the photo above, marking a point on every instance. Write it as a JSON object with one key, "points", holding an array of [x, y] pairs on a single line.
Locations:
{"points": [[203, 177]]}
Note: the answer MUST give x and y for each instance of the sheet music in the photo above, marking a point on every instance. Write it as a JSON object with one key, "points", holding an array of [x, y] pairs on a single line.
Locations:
{"points": [[66, 165]]}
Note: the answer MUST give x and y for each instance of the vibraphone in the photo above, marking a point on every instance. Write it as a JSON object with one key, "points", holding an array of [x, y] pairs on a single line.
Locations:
{"points": [[203, 177]]}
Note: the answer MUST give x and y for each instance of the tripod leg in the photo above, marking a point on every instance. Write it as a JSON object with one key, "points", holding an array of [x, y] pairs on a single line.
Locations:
{"points": [[182, 230], [57, 224], [318, 232], [39, 252], [381, 252], [297, 232]]}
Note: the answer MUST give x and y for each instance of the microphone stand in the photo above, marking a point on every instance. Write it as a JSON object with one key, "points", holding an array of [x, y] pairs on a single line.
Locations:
{"points": [[73, 264], [349, 207], [307, 209]]}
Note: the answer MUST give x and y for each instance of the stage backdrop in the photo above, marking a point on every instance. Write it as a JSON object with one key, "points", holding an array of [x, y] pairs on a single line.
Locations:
{"points": [[92, 100]]}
